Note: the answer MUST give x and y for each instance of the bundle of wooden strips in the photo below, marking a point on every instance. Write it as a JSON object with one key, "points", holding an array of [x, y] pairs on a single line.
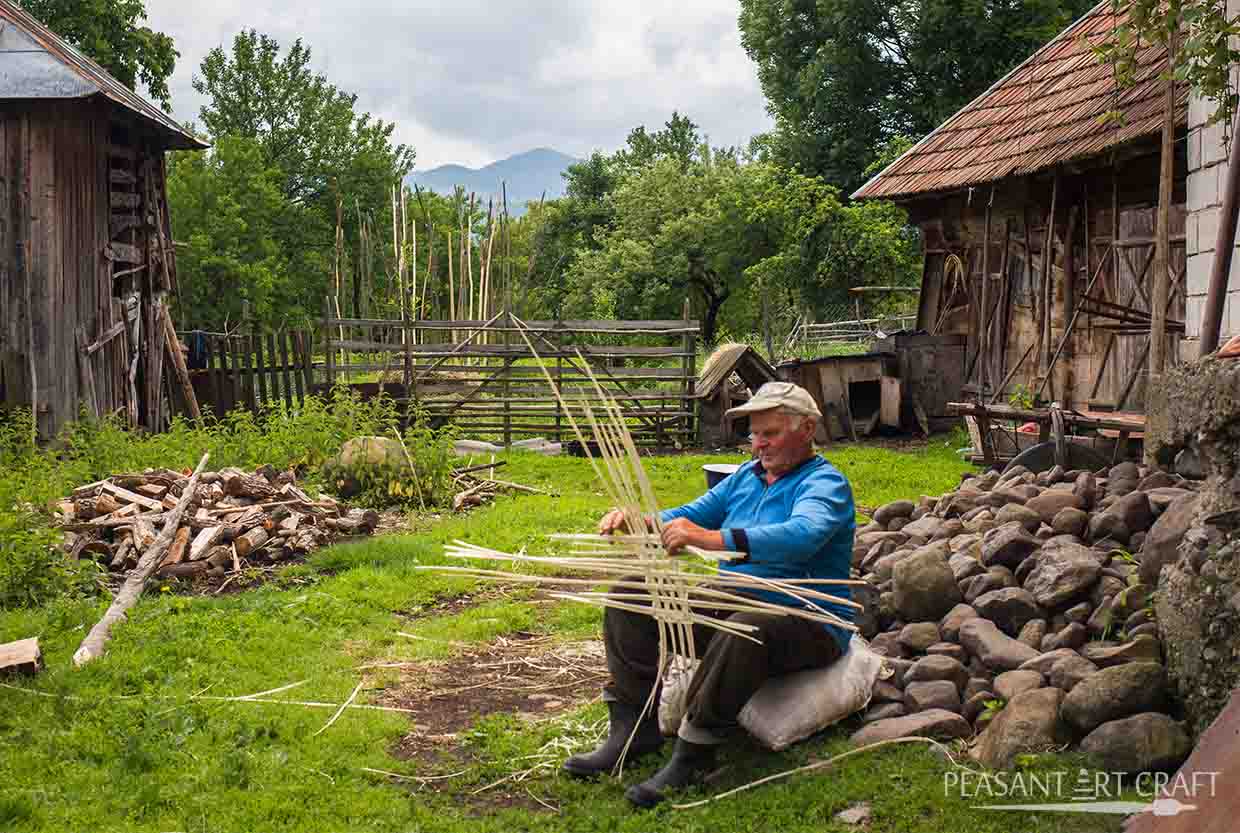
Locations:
{"points": [[643, 576]]}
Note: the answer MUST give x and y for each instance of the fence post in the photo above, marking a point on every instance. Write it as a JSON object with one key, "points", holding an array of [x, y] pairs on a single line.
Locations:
{"points": [[508, 364], [689, 364], [328, 348]]}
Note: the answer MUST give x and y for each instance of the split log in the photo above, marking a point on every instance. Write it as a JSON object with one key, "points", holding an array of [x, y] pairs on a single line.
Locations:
{"points": [[94, 507], [176, 553], [21, 657], [251, 541], [144, 533], [203, 542], [126, 496], [152, 490], [95, 642], [121, 555], [248, 485], [186, 569]]}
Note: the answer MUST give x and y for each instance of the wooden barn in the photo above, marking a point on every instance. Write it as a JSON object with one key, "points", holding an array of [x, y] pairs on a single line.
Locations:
{"points": [[1037, 205], [86, 257]]}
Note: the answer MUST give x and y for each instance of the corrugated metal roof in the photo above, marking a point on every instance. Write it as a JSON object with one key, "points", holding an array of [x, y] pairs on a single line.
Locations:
{"points": [[36, 63], [1046, 111]]}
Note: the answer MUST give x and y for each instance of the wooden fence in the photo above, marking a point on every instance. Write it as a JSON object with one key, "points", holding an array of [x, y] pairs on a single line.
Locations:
{"points": [[483, 376], [250, 370]]}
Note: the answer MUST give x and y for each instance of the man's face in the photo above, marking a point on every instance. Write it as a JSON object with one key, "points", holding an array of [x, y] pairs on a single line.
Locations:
{"points": [[780, 441]]}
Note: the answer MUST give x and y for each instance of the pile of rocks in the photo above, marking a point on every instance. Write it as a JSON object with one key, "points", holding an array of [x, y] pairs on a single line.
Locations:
{"points": [[1029, 592]]}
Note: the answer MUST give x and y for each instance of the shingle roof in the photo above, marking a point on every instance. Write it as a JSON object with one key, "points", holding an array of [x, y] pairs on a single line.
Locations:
{"points": [[1046, 111], [36, 63]]}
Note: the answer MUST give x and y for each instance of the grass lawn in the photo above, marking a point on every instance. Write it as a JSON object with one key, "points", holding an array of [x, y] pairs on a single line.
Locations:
{"points": [[124, 744]]}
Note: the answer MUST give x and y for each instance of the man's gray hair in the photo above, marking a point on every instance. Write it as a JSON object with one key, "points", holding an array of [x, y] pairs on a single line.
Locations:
{"points": [[792, 412]]}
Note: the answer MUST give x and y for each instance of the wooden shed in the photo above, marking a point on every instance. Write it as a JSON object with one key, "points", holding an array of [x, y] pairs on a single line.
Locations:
{"points": [[86, 256], [730, 375], [1037, 206]]}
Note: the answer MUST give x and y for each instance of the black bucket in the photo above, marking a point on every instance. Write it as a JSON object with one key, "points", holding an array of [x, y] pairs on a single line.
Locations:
{"points": [[716, 473]]}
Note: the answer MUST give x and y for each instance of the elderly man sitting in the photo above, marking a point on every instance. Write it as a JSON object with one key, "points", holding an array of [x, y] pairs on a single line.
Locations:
{"points": [[791, 512]]}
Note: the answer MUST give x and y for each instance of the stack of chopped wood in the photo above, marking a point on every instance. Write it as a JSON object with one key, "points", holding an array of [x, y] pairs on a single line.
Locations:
{"points": [[233, 518], [477, 490]]}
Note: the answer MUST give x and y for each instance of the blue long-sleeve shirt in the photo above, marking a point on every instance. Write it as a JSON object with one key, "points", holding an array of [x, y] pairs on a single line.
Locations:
{"points": [[800, 526]]}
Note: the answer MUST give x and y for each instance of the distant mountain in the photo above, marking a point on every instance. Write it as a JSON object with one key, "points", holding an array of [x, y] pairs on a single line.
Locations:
{"points": [[527, 175]]}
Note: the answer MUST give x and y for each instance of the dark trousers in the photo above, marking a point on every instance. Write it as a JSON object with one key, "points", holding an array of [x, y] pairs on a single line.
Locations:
{"points": [[732, 668]]}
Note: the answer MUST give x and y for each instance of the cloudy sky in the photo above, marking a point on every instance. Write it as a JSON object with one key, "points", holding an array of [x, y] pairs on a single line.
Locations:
{"points": [[472, 81]]}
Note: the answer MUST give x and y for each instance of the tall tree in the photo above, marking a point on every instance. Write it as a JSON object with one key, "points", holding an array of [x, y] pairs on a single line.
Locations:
{"points": [[306, 126], [843, 77], [111, 32]]}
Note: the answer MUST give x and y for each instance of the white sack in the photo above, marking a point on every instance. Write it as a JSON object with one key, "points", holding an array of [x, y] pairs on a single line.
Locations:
{"points": [[791, 707]]}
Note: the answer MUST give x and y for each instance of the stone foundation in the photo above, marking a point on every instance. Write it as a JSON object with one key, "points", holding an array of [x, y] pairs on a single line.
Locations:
{"points": [[1194, 422]]}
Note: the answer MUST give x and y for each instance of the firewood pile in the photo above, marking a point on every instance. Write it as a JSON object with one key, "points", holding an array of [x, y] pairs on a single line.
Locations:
{"points": [[235, 518]]}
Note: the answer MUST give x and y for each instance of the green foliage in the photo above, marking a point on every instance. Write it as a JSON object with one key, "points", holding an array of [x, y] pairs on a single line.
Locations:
{"points": [[230, 212], [738, 234], [1021, 397], [1202, 38], [991, 710], [291, 159], [843, 77], [110, 31]]}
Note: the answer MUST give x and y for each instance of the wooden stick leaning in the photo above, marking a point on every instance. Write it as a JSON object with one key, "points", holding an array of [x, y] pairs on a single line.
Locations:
{"points": [[93, 645]]}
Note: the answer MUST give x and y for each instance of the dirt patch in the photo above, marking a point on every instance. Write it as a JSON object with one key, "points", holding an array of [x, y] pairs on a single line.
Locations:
{"points": [[525, 674]]}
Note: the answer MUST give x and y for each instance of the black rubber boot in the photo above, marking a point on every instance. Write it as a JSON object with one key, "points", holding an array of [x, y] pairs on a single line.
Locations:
{"points": [[689, 765], [623, 718]]}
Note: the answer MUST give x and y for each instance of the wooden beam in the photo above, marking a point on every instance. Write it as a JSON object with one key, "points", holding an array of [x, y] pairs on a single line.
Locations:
{"points": [[21, 657]]}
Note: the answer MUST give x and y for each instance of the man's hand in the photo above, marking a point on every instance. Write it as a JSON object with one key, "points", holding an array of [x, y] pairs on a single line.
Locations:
{"points": [[682, 533], [613, 521]]}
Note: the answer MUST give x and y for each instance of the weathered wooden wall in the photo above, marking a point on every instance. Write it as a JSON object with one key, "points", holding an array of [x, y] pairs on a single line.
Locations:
{"points": [[83, 238], [1101, 363]]}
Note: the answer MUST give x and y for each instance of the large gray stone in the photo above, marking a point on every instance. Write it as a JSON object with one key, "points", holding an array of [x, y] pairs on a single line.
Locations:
{"points": [[1011, 683], [1051, 502], [1070, 521], [1007, 545], [937, 723], [1033, 633], [918, 636], [1043, 662], [1070, 670], [883, 711], [1163, 542], [1141, 743], [933, 694], [924, 587], [995, 649], [1018, 513], [1072, 635], [1113, 693], [896, 509], [927, 527], [995, 578], [1029, 722], [949, 625], [1009, 608], [1062, 574], [936, 667], [964, 566], [1139, 649]]}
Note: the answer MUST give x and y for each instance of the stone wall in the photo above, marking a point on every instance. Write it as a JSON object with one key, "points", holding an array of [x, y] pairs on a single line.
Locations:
{"points": [[1207, 174], [1194, 421]]}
